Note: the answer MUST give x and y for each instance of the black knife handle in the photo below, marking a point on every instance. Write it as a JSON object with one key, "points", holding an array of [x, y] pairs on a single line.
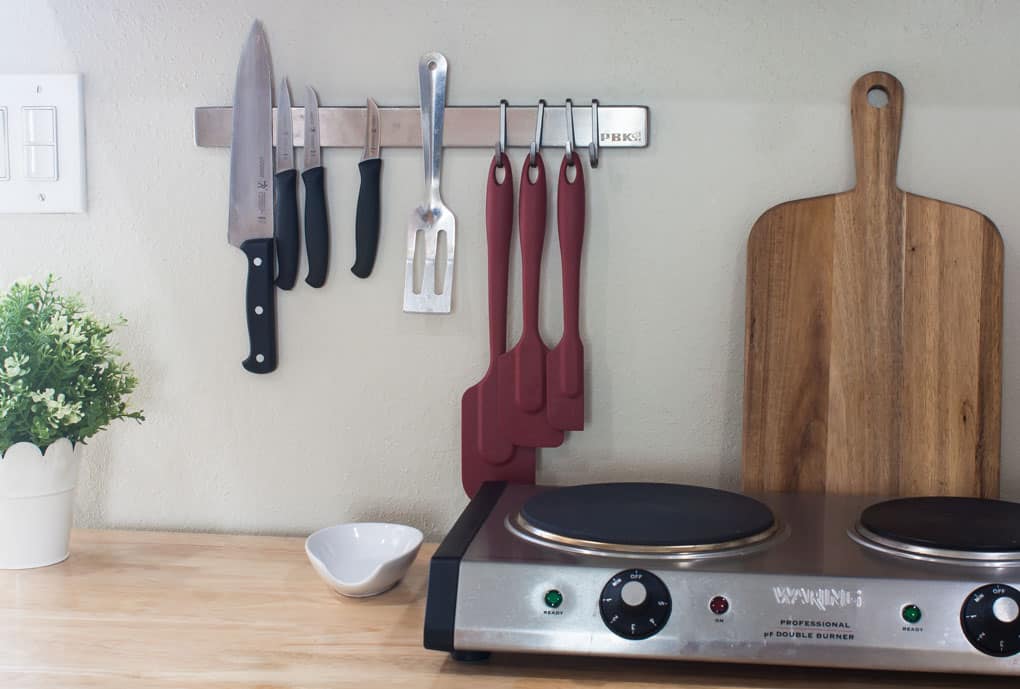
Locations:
{"points": [[316, 225], [260, 303], [366, 225], [287, 248]]}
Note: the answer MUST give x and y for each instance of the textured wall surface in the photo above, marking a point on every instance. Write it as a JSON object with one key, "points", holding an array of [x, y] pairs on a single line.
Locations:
{"points": [[749, 108]]}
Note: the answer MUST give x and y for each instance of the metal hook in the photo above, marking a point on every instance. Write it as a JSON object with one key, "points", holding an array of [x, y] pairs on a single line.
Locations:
{"points": [[501, 142], [536, 144], [568, 112], [593, 147]]}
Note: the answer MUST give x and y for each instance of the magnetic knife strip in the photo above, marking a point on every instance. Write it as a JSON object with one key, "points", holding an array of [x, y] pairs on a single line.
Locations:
{"points": [[465, 127]]}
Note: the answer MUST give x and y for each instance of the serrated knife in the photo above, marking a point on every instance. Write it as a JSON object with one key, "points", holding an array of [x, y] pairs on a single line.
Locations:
{"points": [[366, 224], [287, 242], [250, 222], [316, 217]]}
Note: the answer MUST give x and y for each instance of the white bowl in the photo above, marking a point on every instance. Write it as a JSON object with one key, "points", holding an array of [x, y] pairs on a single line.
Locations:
{"points": [[363, 559]]}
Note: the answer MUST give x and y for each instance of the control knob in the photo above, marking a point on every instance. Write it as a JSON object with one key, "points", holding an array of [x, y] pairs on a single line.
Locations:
{"points": [[991, 619], [635, 604]]}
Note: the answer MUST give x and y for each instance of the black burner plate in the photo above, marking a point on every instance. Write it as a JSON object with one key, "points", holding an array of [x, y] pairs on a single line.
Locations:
{"points": [[647, 514], [966, 524]]}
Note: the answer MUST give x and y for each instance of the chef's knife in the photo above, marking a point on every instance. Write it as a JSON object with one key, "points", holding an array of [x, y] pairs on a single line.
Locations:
{"points": [[286, 193], [250, 223], [316, 218], [366, 227]]}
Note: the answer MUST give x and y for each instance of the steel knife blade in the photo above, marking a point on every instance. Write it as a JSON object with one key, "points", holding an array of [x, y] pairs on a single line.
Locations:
{"points": [[313, 151], [250, 224], [284, 129], [366, 226], [316, 216], [372, 146], [287, 241], [251, 147]]}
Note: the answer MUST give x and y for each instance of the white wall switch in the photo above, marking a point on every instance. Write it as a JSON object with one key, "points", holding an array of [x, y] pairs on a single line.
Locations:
{"points": [[42, 143], [41, 163]]}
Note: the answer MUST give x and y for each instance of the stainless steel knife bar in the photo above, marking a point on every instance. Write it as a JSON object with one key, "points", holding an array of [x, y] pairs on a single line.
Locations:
{"points": [[620, 126]]}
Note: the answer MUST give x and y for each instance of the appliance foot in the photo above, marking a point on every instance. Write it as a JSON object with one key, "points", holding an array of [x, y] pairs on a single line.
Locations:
{"points": [[469, 656]]}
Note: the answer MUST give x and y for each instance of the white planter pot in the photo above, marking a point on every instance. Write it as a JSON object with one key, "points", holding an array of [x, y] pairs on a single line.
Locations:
{"points": [[37, 503]]}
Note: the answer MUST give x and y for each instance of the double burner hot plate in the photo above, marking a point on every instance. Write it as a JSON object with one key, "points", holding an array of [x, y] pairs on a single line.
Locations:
{"points": [[645, 520], [690, 573]]}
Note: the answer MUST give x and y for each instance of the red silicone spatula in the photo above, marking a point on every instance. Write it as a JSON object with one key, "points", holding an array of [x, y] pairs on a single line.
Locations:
{"points": [[487, 454], [522, 369], [564, 396]]}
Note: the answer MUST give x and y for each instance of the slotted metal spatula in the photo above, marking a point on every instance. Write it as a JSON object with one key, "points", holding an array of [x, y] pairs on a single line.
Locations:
{"points": [[432, 218]]}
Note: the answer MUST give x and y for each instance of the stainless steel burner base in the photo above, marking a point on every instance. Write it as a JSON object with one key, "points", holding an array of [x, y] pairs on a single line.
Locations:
{"points": [[809, 594]]}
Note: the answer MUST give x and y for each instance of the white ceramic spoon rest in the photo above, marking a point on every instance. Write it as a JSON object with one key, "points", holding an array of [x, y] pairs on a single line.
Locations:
{"points": [[363, 559]]}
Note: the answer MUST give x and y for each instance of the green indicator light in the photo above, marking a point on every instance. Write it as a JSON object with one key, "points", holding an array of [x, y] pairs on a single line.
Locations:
{"points": [[912, 614], [553, 598]]}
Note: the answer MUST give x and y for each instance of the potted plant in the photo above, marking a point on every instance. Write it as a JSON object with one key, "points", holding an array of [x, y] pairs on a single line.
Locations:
{"points": [[61, 382]]}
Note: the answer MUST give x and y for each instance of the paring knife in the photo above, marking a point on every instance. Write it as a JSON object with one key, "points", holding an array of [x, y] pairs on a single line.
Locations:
{"points": [[250, 223], [366, 227], [287, 249], [316, 218]]}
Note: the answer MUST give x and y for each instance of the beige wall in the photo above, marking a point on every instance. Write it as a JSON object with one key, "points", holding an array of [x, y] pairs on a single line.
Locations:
{"points": [[748, 105]]}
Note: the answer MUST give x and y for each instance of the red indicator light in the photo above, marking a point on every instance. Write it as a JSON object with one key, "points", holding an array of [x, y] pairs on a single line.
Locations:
{"points": [[719, 605]]}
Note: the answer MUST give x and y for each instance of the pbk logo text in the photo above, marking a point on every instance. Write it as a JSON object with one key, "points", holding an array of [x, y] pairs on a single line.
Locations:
{"points": [[620, 137]]}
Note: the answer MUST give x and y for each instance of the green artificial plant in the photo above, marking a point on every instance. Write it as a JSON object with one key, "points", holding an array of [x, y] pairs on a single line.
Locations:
{"points": [[60, 375]]}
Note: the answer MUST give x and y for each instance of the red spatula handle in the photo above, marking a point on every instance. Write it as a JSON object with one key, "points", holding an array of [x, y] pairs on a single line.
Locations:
{"points": [[499, 223], [532, 222], [529, 354], [876, 130], [570, 221]]}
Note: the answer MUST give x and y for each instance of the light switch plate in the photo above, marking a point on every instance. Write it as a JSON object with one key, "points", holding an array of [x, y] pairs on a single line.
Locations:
{"points": [[25, 98]]}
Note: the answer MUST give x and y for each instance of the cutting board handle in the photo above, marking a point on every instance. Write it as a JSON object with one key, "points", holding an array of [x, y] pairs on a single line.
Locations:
{"points": [[876, 130]]}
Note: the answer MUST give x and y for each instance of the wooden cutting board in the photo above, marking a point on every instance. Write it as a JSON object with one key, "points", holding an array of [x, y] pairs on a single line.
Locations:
{"points": [[873, 333]]}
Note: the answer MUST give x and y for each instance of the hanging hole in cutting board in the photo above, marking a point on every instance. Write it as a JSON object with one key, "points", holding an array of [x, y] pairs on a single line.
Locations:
{"points": [[440, 262], [878, 97], [500, 174], [419, 261]]}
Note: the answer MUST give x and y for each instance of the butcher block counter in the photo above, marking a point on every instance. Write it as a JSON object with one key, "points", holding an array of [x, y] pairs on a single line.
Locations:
{"points": [[143, 609]]}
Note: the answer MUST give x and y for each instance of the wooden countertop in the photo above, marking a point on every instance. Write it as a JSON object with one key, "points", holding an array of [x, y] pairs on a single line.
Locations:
{"points": [[142, 609]]}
